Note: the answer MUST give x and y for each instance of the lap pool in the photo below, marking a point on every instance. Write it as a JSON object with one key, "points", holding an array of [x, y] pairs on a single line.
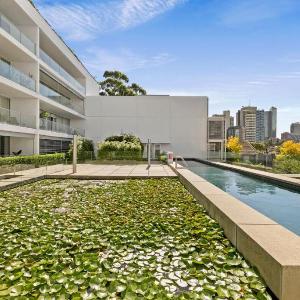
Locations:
{"points": [[278, 203]]}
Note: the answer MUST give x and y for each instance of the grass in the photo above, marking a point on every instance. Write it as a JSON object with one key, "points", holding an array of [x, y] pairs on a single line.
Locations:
{"points": [[136, 239]]}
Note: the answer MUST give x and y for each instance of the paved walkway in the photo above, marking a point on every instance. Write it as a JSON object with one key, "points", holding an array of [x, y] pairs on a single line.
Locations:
{"points": [[88, 171], [114, 170]]}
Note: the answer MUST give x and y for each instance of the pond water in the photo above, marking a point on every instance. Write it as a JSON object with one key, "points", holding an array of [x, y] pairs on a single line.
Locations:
{"points": [[276, 202]]}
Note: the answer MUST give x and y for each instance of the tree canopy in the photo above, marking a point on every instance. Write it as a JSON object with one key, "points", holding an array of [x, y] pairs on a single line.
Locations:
{"points": [[234, 145], [116, 83]]}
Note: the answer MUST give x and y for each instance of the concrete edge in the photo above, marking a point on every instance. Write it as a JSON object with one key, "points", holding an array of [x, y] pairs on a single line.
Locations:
{"points": [[271, 248], [21, 183], [80, 177], [109, 177], [282, 180]]}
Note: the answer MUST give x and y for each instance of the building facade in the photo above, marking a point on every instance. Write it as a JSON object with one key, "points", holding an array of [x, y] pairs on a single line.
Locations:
{"points": [[287, 136], [295, 128], [43, 86], [246, 118], [236, 131], [218, 126], [271, 123], [257, 125], [177, 124]]}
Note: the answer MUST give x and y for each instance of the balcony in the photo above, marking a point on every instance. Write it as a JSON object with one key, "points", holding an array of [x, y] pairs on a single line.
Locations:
{"points": [[61, 71], [10, 72], [15, 32], [52, 94], [57, 127], [16, 118]]}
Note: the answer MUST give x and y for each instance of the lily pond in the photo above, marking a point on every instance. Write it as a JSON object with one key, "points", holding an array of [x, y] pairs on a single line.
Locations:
{"points": [[135, 239]]}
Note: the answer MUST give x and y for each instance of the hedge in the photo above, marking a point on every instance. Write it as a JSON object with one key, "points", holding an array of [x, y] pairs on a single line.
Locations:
{"points": [[37, 160], [85, 150], [126, 137], [112, 150], [287, 165]]}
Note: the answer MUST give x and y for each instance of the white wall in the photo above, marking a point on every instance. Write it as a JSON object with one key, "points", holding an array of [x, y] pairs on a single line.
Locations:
{"points": [[180, 123]]}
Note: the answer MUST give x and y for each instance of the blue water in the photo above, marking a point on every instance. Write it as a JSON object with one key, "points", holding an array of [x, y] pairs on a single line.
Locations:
{"points": [[278, 203]]}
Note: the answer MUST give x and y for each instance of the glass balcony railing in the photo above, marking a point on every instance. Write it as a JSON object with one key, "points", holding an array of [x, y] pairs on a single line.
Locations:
{"points": [[51, 94], [60, 70], [58, 127], [15, 32], [10, 72], [16, 118]]}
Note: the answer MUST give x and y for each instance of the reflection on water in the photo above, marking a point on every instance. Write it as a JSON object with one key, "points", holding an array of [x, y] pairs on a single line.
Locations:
{"points": [[280, 204]]}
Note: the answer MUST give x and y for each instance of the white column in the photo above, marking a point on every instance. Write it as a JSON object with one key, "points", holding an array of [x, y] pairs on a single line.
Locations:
{"points": [[36, 144]]}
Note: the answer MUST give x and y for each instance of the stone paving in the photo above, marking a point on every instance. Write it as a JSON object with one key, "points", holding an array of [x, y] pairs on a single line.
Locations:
{"points": [[115, 170]]}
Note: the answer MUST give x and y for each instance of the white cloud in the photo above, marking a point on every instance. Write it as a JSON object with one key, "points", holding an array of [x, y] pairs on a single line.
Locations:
{"points": [[98, 60], [81, 21]]}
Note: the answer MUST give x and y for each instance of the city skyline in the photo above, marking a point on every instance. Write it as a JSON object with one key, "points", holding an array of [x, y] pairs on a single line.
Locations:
{"points": [[235, 52]]}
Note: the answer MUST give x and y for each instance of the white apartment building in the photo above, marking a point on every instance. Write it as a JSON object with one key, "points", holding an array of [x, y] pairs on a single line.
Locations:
{"points": [[47, 95], [43, 86]]}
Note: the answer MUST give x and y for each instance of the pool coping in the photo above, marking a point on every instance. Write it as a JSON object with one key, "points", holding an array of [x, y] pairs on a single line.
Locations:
{"points": [[281, 179], [267, 245]]}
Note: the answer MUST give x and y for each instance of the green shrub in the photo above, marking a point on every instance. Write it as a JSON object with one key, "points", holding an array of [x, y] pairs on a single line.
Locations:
{"points": [[163, 157], [120, 150], [85, 150], [37, 160], [126, 137], [287, 165]]}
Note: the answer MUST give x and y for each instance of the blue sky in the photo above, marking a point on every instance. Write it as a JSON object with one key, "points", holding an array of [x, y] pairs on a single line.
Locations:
{"points": [[235, 52]]}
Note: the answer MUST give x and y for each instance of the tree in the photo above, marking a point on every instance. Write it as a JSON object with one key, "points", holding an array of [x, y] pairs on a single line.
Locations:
{"points": [[290, 150], [233, 145], [115, 83]]}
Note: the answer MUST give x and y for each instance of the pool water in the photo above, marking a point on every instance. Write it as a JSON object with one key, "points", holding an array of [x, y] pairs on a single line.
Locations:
{"points": [[278, 203]]}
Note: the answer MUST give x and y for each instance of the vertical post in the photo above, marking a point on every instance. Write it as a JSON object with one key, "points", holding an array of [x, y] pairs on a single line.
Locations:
{"points": [[225, 141], [149, 153], [74, 154]]}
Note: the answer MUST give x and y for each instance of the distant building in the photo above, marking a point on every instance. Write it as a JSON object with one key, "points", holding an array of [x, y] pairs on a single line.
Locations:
{"points": [[271, 123], [236, 131], [246, 118], [258, 125], [218, 125], [295, 128], [286, 136]]}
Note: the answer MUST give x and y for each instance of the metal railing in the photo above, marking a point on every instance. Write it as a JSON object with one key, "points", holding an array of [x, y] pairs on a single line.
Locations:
{"points": [[10, 72], [17, 118], [15, 32], [58, 127], [182, 159], [52, 94], [60, 70]]}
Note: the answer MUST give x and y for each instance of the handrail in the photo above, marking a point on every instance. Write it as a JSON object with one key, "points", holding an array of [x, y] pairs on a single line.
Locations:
{"points": [[60, 70], [58, 127], [57, 97], [15, 32], [17, 118], [11, 73], [176, 160]]}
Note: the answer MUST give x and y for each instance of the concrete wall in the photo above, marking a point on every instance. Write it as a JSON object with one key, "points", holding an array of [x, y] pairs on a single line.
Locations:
{"points": [[178, 123]]}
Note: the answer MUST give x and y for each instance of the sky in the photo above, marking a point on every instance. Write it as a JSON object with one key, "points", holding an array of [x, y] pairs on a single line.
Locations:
{"points": [[236, 52]]}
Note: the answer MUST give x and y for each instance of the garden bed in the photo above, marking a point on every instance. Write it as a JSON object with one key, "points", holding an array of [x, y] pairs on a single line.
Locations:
{"points": [[136, 239]]}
